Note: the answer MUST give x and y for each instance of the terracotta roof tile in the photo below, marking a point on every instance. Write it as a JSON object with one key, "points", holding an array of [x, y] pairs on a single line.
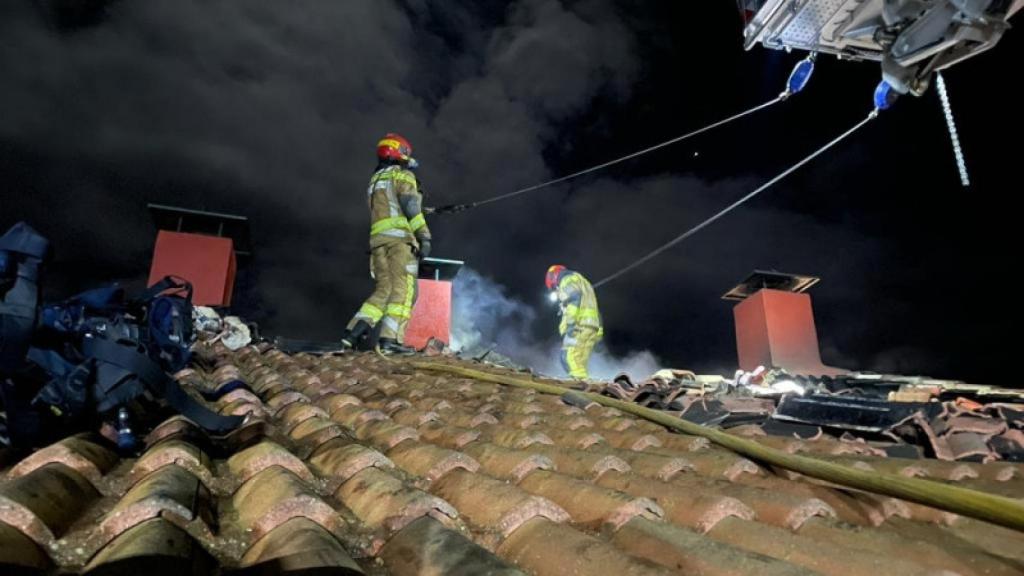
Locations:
{"points": [[45, 502], [786, 546], [80, 453], [540, 547], [155, 546], [171, 493], [469, 420], [517, 439], [649, 465], [430, 462], [631, 439], [300, 544], [494, 507], [426, 546], [385, 434], [507, 464], [251, 461], [718, 464], [383, 502], [448, 436], [572, 439], [581, 464], [590, 505], [19, 553], [369, 467], [699, 510], [341, 460], [415, 418], [690, 553], [275, 496], [173, 453], [334, 402]]}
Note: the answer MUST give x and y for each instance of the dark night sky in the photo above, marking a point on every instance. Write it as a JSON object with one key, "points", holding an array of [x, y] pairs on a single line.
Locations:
{"points": [[272, 109]]}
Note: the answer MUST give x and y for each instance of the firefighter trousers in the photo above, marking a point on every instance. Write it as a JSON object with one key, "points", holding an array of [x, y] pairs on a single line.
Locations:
{"points": [[577, 346], [394, 269]]}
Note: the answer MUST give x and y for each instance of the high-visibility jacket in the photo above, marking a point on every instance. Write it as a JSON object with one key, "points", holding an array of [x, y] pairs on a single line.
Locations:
{"points": [[578, 302], [396, 208]]}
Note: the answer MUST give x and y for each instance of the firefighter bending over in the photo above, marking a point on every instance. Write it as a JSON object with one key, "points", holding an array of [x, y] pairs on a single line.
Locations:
{"points": [[580, 327]]}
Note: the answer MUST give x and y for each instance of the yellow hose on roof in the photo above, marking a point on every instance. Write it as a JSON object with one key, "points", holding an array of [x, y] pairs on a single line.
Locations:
{"points": [[1000, 510]]}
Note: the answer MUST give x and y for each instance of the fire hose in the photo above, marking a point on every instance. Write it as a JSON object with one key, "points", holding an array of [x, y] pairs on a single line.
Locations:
{"points": [[966, 502]]}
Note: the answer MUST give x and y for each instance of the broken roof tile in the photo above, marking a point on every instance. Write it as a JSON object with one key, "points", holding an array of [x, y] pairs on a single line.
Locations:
{"points": [[968, 422], [970, 446]]}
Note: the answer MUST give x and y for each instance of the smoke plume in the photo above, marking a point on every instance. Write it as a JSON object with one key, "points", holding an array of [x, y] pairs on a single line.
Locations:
{"points": [[485, 318]]}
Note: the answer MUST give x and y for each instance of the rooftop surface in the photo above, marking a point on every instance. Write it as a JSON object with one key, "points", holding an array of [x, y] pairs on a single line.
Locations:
{"points": [[357, 465]]}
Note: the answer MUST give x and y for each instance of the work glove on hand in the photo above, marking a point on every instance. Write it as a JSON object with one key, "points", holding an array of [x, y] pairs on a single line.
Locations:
{"points": [[424, 250]]}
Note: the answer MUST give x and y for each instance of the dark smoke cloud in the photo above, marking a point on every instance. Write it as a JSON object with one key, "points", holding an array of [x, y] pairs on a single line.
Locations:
{"points": [[271, 109]]}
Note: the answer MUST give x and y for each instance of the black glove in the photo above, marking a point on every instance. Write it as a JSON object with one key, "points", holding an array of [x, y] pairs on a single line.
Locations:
{"points": [[424, 250]]}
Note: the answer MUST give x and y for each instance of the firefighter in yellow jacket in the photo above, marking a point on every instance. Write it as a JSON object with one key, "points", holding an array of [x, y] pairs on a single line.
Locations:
{"points": [[580, 327], [399, 238]]}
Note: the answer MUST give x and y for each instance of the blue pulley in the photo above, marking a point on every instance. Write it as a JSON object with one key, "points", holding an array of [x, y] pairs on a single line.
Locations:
{"points": [[800, 75], [885, 96]]}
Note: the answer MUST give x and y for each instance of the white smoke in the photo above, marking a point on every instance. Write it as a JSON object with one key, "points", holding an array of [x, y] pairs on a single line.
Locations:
{"points": [[486, 318]]}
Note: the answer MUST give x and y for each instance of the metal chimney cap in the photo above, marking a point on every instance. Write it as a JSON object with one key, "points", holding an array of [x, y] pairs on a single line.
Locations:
{"points": [[176, 219], [772, 280]]}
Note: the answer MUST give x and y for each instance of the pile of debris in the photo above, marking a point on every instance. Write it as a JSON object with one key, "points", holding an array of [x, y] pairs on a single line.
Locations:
{"points": [[902, 416]]}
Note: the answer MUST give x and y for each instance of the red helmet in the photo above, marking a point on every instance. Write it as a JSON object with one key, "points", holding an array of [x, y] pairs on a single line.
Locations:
{"points": [[394, 148], [551, 279]]}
